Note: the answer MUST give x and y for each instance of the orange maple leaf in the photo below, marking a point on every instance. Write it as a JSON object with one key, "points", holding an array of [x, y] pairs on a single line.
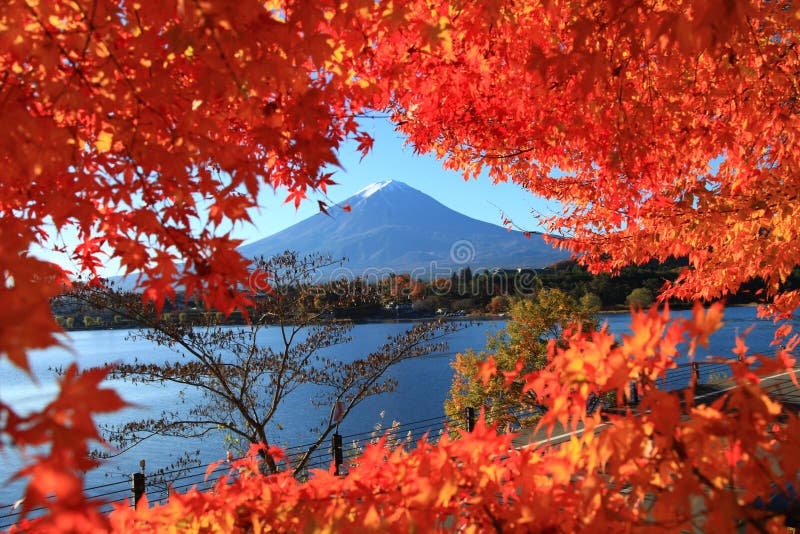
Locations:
{"points": [[487, 370], [703, 324]]}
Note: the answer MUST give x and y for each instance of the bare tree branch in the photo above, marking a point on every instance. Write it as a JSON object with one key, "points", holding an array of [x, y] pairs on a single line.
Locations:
{"points": [[243, 382]]}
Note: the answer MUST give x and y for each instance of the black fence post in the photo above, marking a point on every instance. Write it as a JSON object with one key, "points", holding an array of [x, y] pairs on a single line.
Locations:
{"points": [[470, 418], [634, 393], [138, 485], [336, 443]]}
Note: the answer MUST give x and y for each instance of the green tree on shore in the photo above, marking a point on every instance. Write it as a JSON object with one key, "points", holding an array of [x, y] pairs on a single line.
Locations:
{"points": [[641, 297], [534, 323]]}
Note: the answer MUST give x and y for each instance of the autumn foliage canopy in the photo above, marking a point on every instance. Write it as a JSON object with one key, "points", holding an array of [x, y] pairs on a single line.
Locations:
{"points": [[147, 130]]}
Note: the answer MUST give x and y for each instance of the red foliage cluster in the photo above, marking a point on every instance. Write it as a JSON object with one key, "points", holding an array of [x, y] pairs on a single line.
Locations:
{"points": [[664, 128]]}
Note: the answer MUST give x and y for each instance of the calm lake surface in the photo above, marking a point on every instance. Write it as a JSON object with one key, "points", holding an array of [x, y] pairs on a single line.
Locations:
{"points": [[423, 384]]}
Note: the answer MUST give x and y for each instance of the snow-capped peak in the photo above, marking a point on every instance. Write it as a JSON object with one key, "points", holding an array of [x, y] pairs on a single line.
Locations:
{"points": [[371, 189]]}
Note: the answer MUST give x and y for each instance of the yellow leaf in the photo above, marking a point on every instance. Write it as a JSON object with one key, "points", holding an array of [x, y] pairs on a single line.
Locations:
{"points": [[102, 49], [57, 22], [372, 519], [104, 140], [446, 493]]}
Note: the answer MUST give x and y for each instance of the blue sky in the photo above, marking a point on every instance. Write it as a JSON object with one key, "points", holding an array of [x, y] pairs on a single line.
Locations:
{"points": [[389, 159]]}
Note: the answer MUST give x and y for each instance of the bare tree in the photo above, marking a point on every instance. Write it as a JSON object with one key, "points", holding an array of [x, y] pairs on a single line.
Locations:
{"points": [[244, 382]]}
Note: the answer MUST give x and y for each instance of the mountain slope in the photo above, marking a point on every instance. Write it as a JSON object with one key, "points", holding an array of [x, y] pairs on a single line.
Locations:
{"points": [[395, 228]]}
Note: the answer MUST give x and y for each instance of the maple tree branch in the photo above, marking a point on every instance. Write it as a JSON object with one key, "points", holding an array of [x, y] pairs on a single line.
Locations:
{"points": [[498, 527], [89, 20], [64, 54], [135, 92], [509, 154], [239, 85], [370, 116]]}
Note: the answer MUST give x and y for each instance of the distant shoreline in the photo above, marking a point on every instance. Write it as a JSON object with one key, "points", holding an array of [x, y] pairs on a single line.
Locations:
{"points": [[372, 320], [406, 318]]}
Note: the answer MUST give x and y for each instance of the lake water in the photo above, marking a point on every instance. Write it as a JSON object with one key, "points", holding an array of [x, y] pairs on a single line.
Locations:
{"points": [[423, 384]]}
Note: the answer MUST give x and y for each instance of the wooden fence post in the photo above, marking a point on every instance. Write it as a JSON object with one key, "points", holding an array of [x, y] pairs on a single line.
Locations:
{"points": [[470, 413], [138, 484], [336, 444]]}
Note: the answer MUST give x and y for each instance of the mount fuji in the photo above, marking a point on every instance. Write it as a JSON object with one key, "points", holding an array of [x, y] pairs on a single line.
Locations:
{"points": [[392, 227]]}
